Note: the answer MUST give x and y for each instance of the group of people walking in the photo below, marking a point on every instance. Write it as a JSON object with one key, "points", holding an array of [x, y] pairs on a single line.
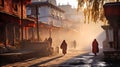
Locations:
{"points": [[95, 48]]}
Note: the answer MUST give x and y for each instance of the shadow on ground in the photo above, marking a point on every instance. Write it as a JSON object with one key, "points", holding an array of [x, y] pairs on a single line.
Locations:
{"points": [[36, 65]]}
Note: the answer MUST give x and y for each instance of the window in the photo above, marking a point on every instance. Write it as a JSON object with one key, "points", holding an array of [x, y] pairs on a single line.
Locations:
{"points": [[2, 3], [15, 6], [28, 11]]}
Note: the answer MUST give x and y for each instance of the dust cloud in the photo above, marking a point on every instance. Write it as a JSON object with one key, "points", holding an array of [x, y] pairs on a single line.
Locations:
{"points": [[83, 36], [82, 33]]}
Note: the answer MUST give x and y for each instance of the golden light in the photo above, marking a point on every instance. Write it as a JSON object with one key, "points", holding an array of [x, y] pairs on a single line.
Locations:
{"points": [[85, 6], [88, 33]]}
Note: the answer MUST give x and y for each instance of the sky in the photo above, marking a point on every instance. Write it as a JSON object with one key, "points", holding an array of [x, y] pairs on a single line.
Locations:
{"points": [[73, 3]]}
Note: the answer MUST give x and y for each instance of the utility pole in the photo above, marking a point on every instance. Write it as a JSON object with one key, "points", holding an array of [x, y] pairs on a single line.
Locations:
{"points": [[21, 23], [37, 23]]}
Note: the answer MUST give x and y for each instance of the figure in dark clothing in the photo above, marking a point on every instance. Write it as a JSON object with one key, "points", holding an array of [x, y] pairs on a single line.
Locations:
{"points": [[95, 48], [74, 43], [63, 46], [50, 41]]}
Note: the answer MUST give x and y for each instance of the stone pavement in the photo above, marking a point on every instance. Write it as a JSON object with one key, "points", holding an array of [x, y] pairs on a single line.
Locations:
{"points": [[84, 60], [89, 60], [74, 58], [46, 61]]}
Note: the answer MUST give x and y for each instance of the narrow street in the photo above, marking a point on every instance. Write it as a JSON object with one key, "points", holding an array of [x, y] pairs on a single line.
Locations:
{"points": [[84, 60], [74, 58], [47, 61], [33, 33]]}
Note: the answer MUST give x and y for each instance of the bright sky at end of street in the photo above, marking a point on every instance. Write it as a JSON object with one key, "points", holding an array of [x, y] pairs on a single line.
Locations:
{"points": [[73, 3]]}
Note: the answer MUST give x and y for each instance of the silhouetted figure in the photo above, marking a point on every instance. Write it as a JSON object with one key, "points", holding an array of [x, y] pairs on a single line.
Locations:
{"points": [[45, 40], [95, 48], [50, 41], [74, 43], [63, 46]]}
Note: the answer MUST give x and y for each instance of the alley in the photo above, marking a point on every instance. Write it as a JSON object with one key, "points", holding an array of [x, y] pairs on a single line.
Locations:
{"points": [[47, 61], [74, 58], [33, 33]]}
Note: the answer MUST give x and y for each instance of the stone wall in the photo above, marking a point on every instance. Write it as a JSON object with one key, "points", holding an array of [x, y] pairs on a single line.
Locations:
{"points": [[43, 48]]}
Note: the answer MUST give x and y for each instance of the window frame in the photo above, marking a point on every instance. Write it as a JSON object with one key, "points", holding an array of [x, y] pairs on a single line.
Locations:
{"points": [[15, 5], [2, 3]]}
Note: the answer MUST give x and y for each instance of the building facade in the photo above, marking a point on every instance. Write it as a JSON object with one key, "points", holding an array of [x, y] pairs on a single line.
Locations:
{"points": [[50, 1], [14, 24], [72, 17], [48, 14]]}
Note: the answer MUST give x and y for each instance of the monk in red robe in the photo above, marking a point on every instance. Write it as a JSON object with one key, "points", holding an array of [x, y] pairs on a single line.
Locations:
{"points": [[95, 48], [63, 46]]}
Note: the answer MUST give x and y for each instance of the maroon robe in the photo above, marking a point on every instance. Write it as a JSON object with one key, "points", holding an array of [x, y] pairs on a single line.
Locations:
{"points": [[63, 46], [95, 48]]}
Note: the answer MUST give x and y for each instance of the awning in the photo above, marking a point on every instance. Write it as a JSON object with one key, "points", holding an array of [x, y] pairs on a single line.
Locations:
{"points": [[23, 1], [43, 25], [27, 22], [6, 18]]}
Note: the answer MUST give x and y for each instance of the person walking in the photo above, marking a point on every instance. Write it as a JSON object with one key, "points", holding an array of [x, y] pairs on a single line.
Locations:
{"points": [[63, 46], [50, 41], [95, 48], [74, 43]]}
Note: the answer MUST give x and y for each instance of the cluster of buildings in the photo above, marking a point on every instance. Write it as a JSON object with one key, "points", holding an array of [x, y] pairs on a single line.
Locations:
{"points": [[14, 23], [33, 20], [37, 20]]}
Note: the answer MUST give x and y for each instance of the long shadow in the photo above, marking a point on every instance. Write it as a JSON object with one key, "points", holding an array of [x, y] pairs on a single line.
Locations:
{"points": [[89, 60], [36, 65], [78, 56]]}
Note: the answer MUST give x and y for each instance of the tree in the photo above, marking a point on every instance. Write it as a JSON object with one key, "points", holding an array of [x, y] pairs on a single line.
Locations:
{"points": [[93, 9]]}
